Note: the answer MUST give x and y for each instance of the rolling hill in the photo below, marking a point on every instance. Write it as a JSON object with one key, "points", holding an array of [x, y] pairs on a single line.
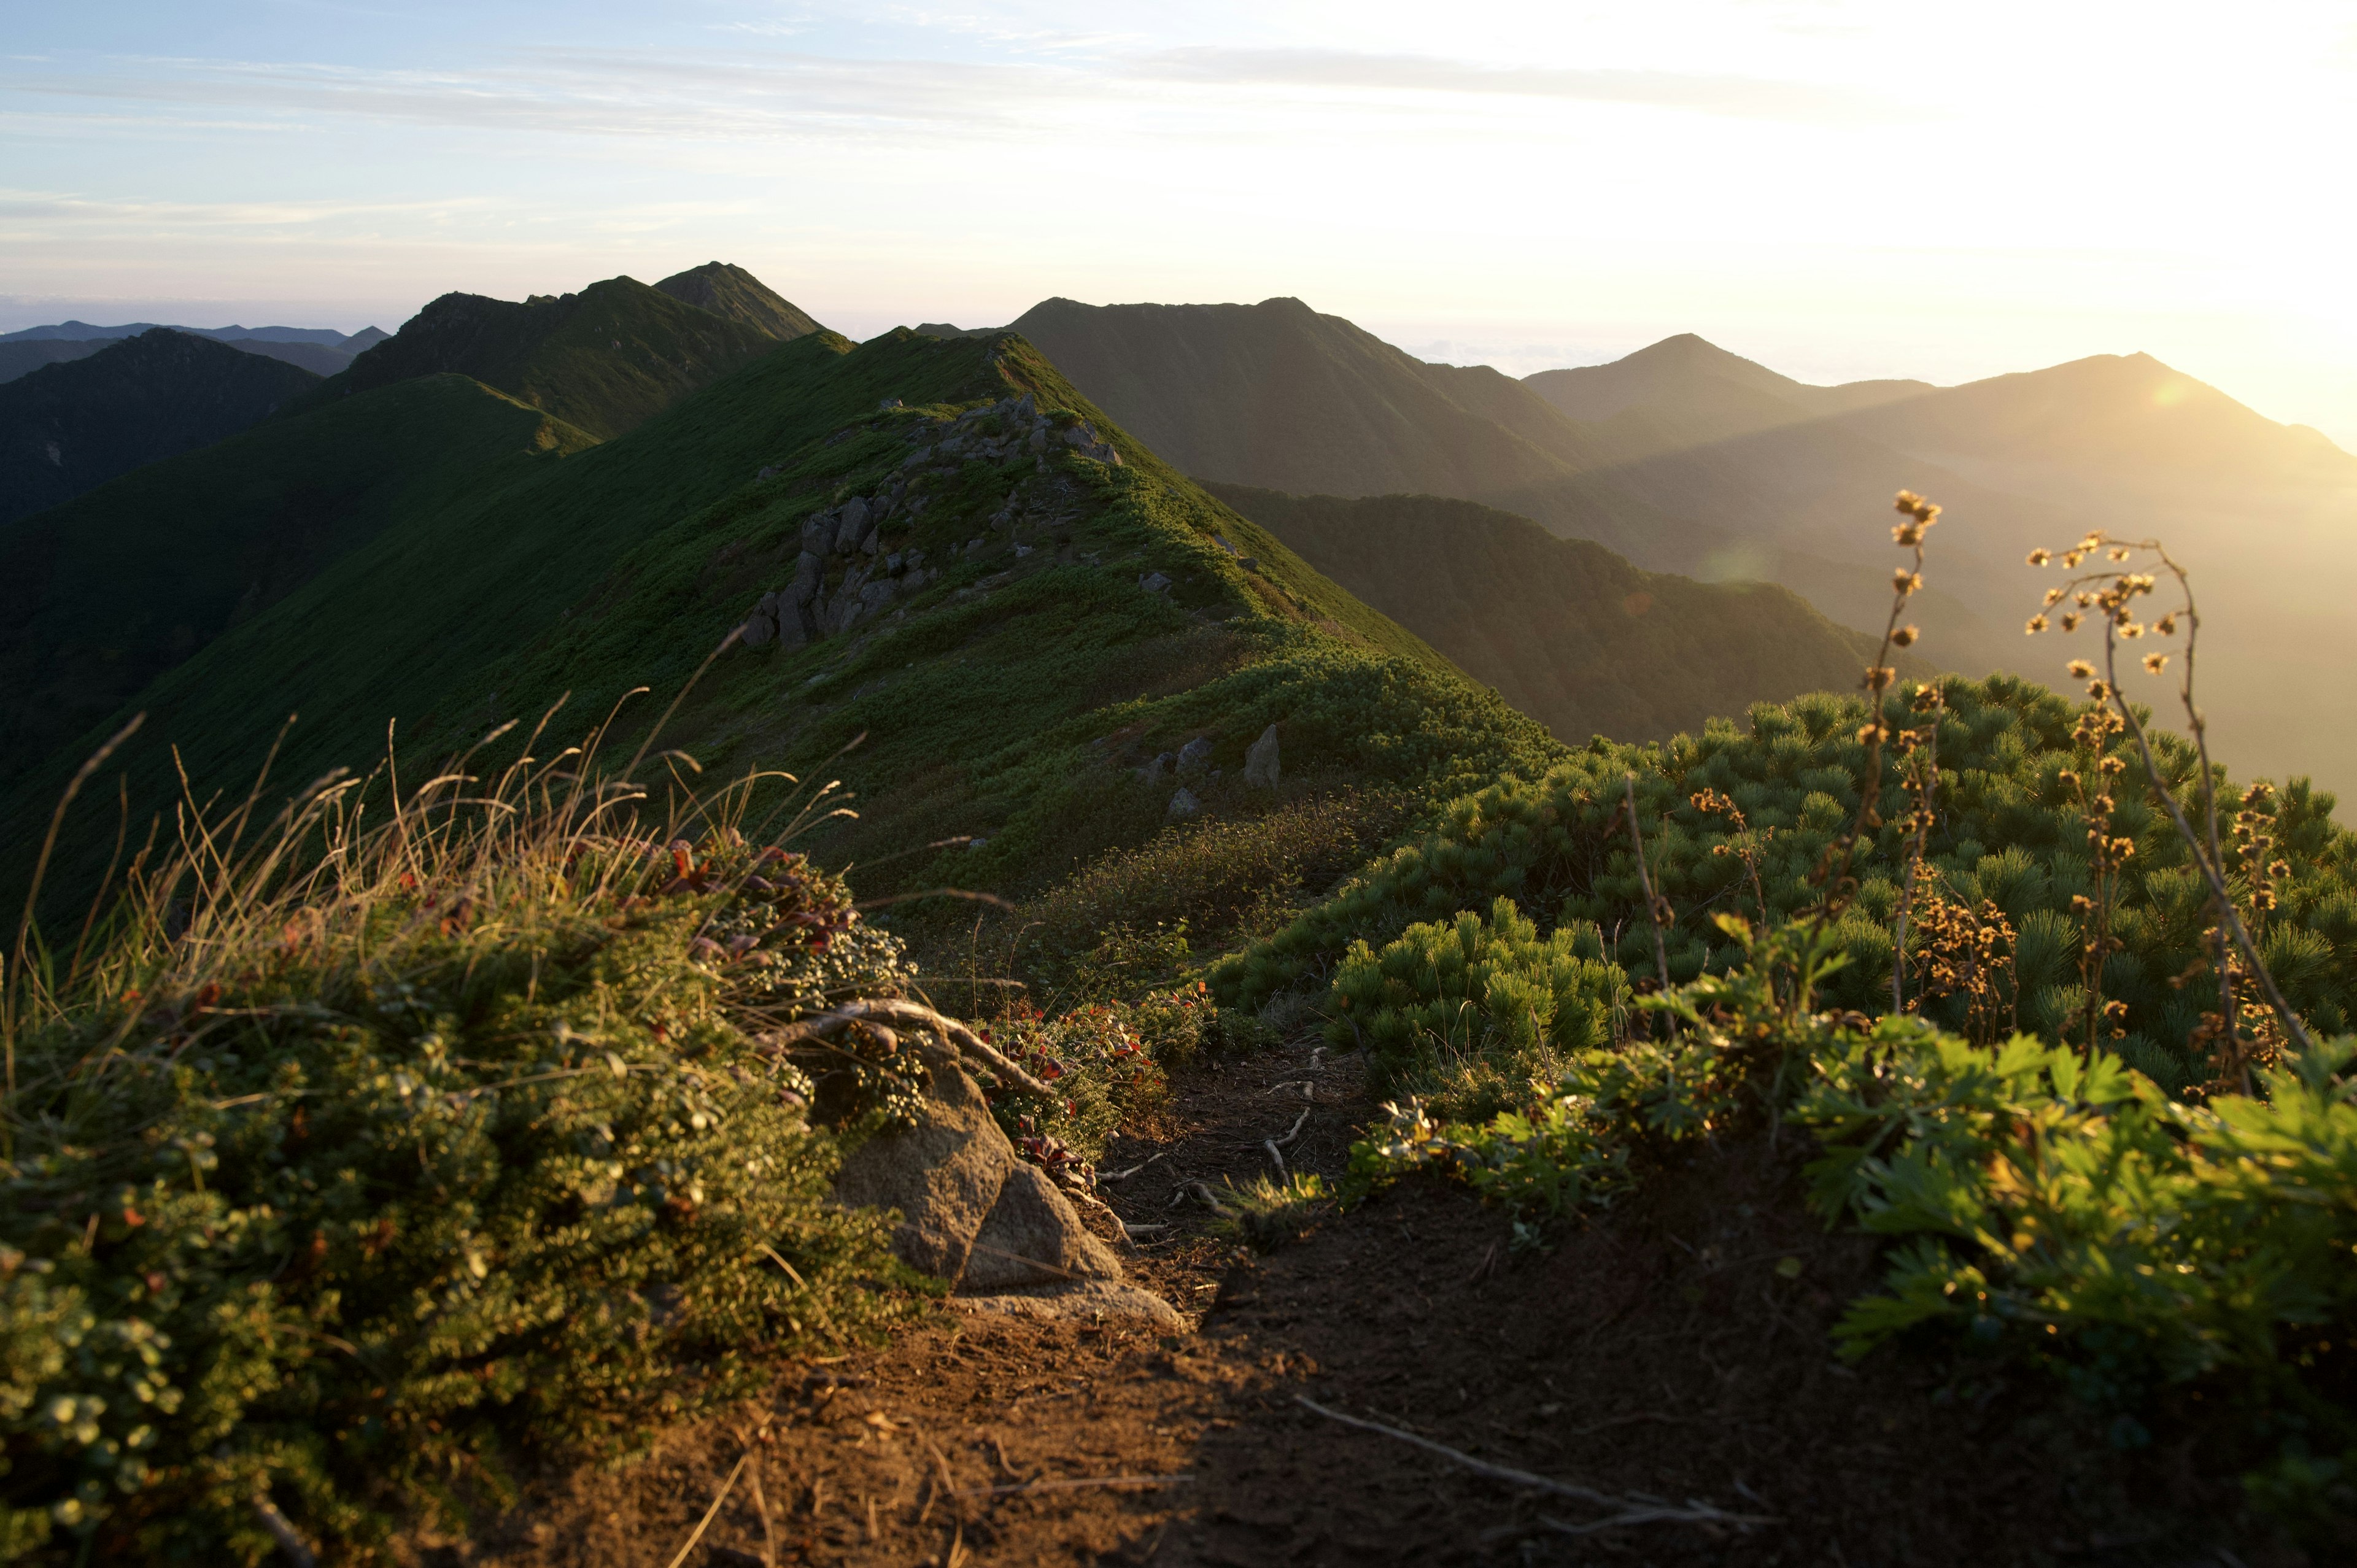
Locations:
{"points": [[73, 424], [104, 594], [1566, 631]]}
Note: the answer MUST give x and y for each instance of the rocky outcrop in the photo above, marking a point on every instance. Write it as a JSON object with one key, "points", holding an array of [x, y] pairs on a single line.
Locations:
{"points": [[976, 1214], [848, 542], [1183, 804], [1260, 761]]}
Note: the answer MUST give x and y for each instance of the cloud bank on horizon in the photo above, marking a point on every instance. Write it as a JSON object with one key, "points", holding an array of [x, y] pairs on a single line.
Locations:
{"points": [[1838, 188]]}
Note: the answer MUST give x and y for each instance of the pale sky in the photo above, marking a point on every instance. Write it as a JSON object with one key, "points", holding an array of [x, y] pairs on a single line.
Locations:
{"points": [[1835, 187]]}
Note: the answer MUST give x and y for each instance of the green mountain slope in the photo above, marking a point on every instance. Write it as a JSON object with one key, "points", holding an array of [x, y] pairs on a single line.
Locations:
{"points": [[603, 361], [731, 291], [102, 595], [68, 426], [1567, 632], [1045, 598], [1279, 397]]}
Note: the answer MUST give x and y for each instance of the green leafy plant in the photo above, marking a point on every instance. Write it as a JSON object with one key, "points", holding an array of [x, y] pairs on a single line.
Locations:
{"points": [[1481, 1012], [1265, 1214]]}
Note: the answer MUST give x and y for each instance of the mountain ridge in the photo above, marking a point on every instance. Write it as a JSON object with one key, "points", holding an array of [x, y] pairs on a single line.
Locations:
{"points": [[604, 359], [69, 426]]}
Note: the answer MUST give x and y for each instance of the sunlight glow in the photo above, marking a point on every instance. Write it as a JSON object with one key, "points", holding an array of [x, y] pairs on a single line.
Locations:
{"points": [[1838, 188]]}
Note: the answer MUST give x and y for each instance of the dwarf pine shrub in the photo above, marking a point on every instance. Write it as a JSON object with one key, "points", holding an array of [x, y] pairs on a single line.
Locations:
{"points": [[1478, 1012], [341, 1169], [2008, 830]]}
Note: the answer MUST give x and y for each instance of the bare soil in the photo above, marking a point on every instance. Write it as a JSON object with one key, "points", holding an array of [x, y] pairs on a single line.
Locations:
{"points": [[1672, 1349]]}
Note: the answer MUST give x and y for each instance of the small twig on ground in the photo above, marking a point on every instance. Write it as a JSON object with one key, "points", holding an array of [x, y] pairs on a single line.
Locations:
{"points": [[1270, 1144], [1124, 1175], [1203, 1191], [1298, 1122], [1077, 1484], [768, 1528], [1629, 1510], [712, 1512]]}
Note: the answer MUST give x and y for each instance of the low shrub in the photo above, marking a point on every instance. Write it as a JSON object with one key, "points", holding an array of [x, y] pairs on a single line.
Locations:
{"points": [[337, 1179], [2010, 834], [1476, 1013], [1219, 880], [1265, 1214], [1105, 1060]]}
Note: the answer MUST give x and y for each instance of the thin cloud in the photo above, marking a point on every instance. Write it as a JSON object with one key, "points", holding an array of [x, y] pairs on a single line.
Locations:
{"points": [[1341, 69], [573, 92]]}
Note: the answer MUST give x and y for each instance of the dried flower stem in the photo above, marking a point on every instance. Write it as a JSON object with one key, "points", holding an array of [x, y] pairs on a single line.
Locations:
{"points": [[2114, 594], [1924, 780], [1833, 872]]}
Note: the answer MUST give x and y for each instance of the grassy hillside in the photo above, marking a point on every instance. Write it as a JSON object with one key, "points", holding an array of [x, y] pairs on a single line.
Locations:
{"points": [[605, 361], [731, 291], [1567, 632], [983, 677], [71, 425], [100, 596]]}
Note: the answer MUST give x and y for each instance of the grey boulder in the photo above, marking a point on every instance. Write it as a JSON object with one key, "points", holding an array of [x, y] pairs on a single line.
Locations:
{"points": [[972, 1212], [1260, 762]]}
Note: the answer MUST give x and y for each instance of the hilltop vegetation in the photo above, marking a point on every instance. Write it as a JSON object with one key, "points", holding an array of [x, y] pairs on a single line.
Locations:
{"points": [[68, 427], [1566, 631]]}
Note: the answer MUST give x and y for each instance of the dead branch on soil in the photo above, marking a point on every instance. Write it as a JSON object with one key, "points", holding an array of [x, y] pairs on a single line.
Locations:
{"points": [[1076, 1484], [1630, 1510], [712, 1512], [891, 1010]]}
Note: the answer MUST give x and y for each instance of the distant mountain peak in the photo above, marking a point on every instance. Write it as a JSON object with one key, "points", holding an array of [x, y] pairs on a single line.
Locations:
{"points": [[726, 289]]}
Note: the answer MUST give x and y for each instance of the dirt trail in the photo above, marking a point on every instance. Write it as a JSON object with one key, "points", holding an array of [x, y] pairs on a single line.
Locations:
{"points": [[1674, 1349]]}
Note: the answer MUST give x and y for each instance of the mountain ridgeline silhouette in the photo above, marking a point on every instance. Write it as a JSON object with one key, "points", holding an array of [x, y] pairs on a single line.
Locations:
{"points": [[69, 426], [1686, 458]]}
